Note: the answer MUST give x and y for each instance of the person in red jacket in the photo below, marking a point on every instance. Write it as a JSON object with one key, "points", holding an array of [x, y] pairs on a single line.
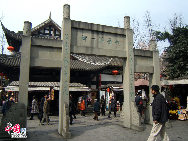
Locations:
{"points": [[82, 107]]}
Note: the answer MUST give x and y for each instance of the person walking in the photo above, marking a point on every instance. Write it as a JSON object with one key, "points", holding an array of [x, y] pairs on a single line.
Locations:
{"points": [[82, 107], [160, 115], [34, 108], [96, 109], [139, 103], [41, 108], [45, 110], [113, 106], [103, 105], [7, 105], [74, 106], [71, 109]]}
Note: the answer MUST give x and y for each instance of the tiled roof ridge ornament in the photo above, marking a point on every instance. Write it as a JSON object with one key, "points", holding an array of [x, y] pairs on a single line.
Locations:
{"points": [[44, 23], [50, 15]]}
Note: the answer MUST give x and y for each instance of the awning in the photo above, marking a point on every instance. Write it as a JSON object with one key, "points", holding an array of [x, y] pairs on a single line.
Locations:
{"points": [[75, 89], [16, 88]]}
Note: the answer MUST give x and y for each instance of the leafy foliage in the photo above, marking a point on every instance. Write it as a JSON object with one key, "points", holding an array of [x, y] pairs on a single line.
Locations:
{"points": [[177, 52]]}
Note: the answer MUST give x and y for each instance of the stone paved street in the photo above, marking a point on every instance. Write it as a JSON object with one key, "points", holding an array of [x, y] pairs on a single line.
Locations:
{"points": [[87, 129]]}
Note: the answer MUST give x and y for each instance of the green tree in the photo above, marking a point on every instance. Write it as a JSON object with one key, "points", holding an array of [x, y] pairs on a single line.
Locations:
{"points": [[177, 52]]}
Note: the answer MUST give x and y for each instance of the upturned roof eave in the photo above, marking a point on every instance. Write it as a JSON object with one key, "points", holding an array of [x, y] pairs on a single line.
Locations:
{"points": [[11, 36]]}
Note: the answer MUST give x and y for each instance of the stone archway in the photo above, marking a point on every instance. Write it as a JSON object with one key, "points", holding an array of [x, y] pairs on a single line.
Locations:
{"points": [[92, 39]]}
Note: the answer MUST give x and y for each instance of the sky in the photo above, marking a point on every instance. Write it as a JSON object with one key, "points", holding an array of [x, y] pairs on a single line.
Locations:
{"points": [[13, 13]]}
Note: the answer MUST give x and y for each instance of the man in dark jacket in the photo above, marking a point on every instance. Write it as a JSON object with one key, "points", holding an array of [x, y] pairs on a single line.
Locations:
{"points": [[139, 103], [96, 109], [112, 107], [103, 105], [160, 115], [71, 109], [7, 105]]}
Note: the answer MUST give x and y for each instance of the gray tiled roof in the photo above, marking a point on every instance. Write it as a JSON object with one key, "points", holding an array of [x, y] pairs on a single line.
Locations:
{"points": [[10, 60], [79, 65], [99, 60]]}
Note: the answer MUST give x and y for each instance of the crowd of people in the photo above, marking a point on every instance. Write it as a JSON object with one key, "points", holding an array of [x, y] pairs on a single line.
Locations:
{"points": [[41, 110], [160, 109], [99, 108]]}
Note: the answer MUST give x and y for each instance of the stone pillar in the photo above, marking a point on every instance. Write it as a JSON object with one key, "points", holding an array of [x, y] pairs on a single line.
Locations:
{"points": [[127, 22], [63, 128], [27, 28], [66, 11], [25, 64], [154, 79], [24, 68], [129, 114]]}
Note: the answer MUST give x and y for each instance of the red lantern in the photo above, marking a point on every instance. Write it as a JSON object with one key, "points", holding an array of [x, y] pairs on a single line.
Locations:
{"points": [[10, 48], [115, 72], [1, 74]]}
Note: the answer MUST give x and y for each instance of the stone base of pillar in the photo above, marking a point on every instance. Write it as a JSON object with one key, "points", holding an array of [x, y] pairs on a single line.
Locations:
{"points": [[131, 118], [138, 128], [66, 135], [65, 129], [147, 115], [125, 116], [136, 118], [17, 114]]}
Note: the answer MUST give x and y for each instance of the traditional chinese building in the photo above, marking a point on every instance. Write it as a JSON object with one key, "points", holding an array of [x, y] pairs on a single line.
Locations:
{"points": [[83, 67]]}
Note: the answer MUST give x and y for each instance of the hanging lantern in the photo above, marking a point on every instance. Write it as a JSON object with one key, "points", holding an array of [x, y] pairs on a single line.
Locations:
{"points": [[115, 72], [10, 48]]}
